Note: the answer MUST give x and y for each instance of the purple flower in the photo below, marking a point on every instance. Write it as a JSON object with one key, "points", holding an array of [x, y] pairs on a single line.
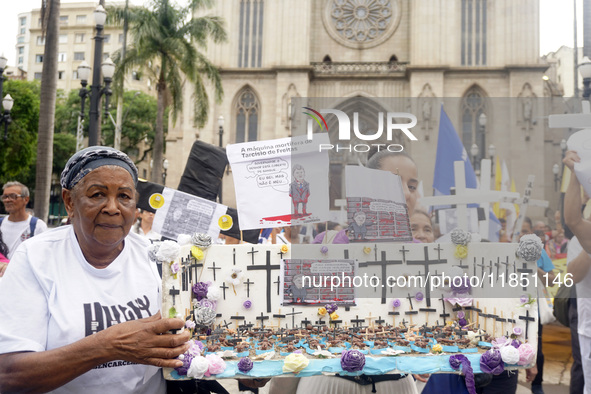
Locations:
{"points": [[516, 343], [396, 303], [190, 324], [492, 362], [460, 284], [419, 296], [352, 360], [186, 359], [324, 250], [200, 290], [500, 342], [245, 364], [462, 322], [517, 331], [175, 267], [460, 360], [524, 298], [208, 304], [330, 308], [461, 315], [247, 304]]}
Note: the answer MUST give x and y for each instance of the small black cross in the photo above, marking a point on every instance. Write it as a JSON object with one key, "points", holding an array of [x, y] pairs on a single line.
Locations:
{"points": [[482, 266], [237, 318], [527, 319], [262, 318], [213, 267], [320, 323], [506, 263], [292, 314], [523, 270], [248, 283], [224, 287], [225, 325], [252, 252], [335, 322], [375, 251], [380, 321], [234, 256], [404, 322], [403, 251], [438, 249], [426, 263], [490, 267], [410, 300], [498, 265], [280, 253], [384, 263], [357, 321], [268, 267], [305, 322], [174, 292], [278, 282], [193, 269]]}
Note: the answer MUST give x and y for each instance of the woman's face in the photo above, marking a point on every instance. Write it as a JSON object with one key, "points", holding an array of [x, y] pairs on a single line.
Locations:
{"points": [[403, 166], [421, 228], [147, 217], [102, 207]]}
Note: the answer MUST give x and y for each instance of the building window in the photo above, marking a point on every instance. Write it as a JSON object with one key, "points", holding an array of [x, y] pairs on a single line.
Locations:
{"points": [[20, 40], [80, 19], [247, 116], [39, 59], [20, 60], [38, 76], [107, 38], [60, 75], [78, 55], [79, 38], [21, 50], [61, 57], [473, 37], [473, 105], [250, 39], [40, 40], [23, 21], [63, 20], [75, 74], [23, 30], [63, 39]]}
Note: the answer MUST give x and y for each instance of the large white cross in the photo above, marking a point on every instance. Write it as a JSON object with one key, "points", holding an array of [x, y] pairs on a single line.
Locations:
{"points": [[575, 121]]}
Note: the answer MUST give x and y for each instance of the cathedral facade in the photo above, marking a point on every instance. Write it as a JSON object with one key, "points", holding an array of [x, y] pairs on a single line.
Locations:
{"points": [[473, 52]]}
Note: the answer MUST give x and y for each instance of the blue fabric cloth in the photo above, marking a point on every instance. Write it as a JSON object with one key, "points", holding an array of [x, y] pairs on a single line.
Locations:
{"points": [[445, 383], [545, 263]]}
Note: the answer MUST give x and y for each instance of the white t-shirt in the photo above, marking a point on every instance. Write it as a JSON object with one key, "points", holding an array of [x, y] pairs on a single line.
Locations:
{"points": [[583, 290], [14, 233], [51, 296]]}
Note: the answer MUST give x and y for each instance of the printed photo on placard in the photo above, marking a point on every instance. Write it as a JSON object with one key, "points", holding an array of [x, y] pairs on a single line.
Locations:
{"points": [[376, 209], [280, 182], [312, 282]]}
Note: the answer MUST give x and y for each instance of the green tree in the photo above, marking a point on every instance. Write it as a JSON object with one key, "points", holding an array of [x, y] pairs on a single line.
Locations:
{"points": [[18, 151], [166, 45]]}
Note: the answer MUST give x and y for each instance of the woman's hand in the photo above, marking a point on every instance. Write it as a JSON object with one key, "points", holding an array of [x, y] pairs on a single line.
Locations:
{"points": [[570, 158], [147, 341]]}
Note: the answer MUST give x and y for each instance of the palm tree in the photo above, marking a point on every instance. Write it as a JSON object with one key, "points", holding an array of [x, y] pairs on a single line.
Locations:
{"points": [[50, 15], [166, 39]]}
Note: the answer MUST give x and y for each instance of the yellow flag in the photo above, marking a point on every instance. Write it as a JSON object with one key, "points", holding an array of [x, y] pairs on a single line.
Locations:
{"points": [[498, 181]]}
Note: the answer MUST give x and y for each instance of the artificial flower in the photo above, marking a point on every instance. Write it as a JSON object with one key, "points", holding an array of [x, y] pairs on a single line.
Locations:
{"points": [[334, 316], [510, 355], [530, 248], [352, 360], [168, 251], [322, 311], [200, 290], [216, 364], [204, 316], [491, 362], [461, 251], [247, 304], [458, 360], [419, 296], [245, 364], [460, 237], [207, 303], [190, 324], [437, 349], [517, 331], [175, 268], [186, 359], [330, 308], [527, 354], [183, 239], [198, 367], [213, 292], [201, 240], [284, 248], [367, 250], [235, 277], [324, 250], [197, 253], [396, 303], [295, 362]]}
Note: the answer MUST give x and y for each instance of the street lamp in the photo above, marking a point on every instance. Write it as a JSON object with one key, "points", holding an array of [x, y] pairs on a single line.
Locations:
{"points": [[555, 171], [563, 147], [96, 90], [474, 153], [492, 150], [585, 70], [221, 129], [7, 102], [164, 167]]}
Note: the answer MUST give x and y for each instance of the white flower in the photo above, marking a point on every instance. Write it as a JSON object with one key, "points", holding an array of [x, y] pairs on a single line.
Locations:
{"points": [[264, 356], [235, 277], [213, 292], [226, 354], [198, 367], [183, 239], [168, 251], [323, 354], [391, 352]]}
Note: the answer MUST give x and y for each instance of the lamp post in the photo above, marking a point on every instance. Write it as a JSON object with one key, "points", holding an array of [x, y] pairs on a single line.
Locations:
{"points": [[108, 69], [585, 70], [563, 147], [221, 134], [555, 171], [7, 102], [492, 150], [474, 153], [164, 167]]}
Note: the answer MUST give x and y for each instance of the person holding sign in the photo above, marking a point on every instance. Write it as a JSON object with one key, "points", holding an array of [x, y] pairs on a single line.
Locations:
{"points": [[80, 310]]}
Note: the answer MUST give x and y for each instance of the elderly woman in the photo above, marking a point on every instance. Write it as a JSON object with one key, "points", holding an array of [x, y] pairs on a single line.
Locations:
{"points": [[80, 303]]}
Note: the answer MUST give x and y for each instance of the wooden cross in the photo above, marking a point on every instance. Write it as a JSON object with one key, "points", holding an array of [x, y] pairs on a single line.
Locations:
{"points": [[292, 314], [251, 253], [278, 282], [262, 318], [278, 316], [427, 310], [370, 318], [527, 319], [383, 263], [224, 287], [174, 292], [268, 267], [238, 318], [426, 263], [393, 314], [248, 283], [213, 267], [502, 320], [335, 322]]}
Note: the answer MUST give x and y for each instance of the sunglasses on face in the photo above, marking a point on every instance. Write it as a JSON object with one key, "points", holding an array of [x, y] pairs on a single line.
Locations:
{"points": [[11, 197]]}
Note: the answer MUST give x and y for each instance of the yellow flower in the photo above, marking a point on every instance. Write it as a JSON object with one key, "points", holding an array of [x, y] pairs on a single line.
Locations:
{"points": [[284, 248], [450, 323], [461, 252], [334, 316], [295, 362], [197, 253], [437, 348], [367, 250], [322, 311]]}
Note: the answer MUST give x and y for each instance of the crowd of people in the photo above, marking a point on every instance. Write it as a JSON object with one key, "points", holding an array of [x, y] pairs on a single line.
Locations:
{"points": [[74, 281]]}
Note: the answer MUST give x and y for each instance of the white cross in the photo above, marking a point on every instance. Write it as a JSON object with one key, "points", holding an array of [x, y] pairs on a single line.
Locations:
{"points": [[575, 121]]}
